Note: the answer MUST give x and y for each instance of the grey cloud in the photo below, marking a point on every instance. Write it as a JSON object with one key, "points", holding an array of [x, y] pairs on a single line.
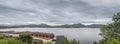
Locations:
{"points": [[54, 11]]}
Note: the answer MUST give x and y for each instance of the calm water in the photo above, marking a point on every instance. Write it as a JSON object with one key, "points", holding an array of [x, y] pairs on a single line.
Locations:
{"points": [[85, 35]]}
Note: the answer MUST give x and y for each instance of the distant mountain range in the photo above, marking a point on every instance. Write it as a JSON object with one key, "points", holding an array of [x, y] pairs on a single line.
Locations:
{"points": [[79, 25]]}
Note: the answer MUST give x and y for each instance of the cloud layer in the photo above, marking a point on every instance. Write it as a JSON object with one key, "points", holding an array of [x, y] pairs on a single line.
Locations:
{"points": [[57, 11]]}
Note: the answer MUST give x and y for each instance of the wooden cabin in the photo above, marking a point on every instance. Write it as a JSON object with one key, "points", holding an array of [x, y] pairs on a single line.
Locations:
{"points": [[43, 35]]}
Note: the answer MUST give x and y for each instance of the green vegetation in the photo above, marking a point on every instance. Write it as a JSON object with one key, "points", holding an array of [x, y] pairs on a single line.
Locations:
{"points": [[2, 36], [26, 38], [66, 41], [49, 43], [11, 41], [111, 32], [23, 39], [108, 41]]}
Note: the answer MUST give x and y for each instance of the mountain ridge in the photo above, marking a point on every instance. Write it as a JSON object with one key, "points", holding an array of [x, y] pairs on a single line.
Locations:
{"points": [[79, 25]]}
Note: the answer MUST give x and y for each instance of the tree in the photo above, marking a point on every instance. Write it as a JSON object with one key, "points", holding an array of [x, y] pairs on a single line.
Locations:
{"points": [[26, 38], [112, 30], [116, 18]]}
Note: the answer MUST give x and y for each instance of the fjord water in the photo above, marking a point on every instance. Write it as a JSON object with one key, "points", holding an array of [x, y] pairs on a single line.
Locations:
{"points": [[85, 35]]}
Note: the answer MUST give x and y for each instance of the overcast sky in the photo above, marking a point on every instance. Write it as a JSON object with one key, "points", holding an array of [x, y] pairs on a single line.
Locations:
{"points": [[57, 11]]}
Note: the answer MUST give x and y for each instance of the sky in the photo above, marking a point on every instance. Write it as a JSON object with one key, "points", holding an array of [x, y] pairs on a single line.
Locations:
{"points": [[57, 12]]}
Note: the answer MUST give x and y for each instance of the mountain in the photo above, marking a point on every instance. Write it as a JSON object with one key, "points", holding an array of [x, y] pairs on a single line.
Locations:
{"points": [[79, 25], [72, 25]]}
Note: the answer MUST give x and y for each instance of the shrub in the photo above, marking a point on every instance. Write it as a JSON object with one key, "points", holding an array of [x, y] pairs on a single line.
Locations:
{"points": [[73, 41], [26, 38], [2, 36]]}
